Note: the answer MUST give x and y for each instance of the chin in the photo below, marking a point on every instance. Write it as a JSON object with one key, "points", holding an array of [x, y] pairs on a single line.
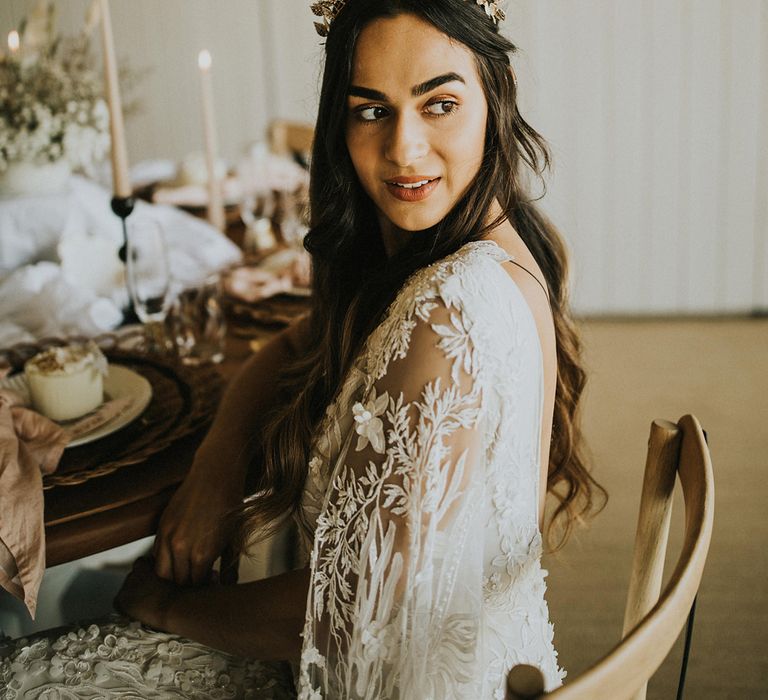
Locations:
{"points": [[414, 221]]}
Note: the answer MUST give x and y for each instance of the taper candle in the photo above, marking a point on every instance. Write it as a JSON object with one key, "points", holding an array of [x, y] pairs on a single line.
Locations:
{"points": [[215, 200], [13, 41], [121, 181]]}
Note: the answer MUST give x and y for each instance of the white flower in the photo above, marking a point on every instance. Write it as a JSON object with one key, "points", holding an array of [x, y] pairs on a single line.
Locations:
{"points": [[189, 681], [378, 643], [101, 115], [368, 425], [312, 656], [315, 465], [53, 109], [112, 647], [307, 692]]}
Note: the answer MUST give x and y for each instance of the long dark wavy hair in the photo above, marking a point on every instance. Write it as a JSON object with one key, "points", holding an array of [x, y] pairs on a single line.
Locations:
{"points": [[354, 282]]}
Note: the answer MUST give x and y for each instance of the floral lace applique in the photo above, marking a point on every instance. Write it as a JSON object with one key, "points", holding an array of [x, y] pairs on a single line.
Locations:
{"points": [[426, 579], [124, 659], [428, 288], [368, 426], [315, 465]]}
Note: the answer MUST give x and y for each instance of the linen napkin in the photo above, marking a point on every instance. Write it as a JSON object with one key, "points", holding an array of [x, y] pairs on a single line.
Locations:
{"points": [[31, 446], [285, 272]]}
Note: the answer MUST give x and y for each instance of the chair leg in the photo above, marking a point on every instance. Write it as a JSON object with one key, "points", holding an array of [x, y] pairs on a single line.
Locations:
{"points": [[686, 651], [688, 632]]}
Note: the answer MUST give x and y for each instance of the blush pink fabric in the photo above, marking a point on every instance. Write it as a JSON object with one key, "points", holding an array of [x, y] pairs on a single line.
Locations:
{"points": [[30, 445]]}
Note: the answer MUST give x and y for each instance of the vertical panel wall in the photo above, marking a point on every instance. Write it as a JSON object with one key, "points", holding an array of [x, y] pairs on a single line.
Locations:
{"points": [[760, 200], [656, 112], [160, 41]]}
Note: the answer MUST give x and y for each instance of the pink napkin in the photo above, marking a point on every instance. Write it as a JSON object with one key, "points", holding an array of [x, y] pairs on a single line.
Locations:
{"points": [[30, 445], [250, 284], [253, 283]]}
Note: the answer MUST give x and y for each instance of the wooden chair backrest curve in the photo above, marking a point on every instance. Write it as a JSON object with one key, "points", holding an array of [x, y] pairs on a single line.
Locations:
{"points": [[288, 137], [651, 623]]}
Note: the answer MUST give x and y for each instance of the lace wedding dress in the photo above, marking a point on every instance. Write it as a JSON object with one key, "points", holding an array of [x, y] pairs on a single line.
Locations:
{"points": [[423, 489], [116, 658], [419, 522]]}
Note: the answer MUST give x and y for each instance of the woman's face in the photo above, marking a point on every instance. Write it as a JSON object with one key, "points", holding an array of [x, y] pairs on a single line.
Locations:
{"points": [[416, 121]]}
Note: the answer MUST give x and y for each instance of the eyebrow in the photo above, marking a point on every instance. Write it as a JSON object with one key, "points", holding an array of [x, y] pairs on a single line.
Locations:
{"points": [[416, 90]]}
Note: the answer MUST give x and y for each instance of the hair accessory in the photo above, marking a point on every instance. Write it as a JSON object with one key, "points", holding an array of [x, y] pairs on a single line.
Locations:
{"points": [[329, 9]]}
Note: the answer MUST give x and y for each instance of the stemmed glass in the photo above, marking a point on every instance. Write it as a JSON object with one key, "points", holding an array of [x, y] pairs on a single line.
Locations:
{"points": [[257, 206], [294, 221], [256, 211], [149, 279]]}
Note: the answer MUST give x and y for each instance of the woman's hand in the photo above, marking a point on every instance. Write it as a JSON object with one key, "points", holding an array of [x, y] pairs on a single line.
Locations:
{"points": [[145, 596], [191, 534]]}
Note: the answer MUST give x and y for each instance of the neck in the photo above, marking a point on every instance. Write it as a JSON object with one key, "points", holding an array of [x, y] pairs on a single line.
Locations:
{"points": [[394, 238]]}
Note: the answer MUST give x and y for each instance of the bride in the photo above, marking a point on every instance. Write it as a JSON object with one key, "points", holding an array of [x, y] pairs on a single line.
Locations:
{"points": [[411, 425]]}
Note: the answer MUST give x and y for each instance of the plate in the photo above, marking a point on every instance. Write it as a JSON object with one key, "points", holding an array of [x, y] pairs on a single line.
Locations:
{"points": [[120, 382], [196, 196], [182, 404]]}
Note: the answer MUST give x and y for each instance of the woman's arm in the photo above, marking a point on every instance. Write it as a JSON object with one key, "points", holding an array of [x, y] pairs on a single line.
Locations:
{"points": [[260, 620], [190, 535]]}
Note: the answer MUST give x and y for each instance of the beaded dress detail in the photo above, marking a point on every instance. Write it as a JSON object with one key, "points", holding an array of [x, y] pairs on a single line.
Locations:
{"points": [[117, 658]]}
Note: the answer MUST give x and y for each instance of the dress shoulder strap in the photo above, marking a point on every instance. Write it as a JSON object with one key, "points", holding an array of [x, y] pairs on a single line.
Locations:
{"points": [[534, 277]]}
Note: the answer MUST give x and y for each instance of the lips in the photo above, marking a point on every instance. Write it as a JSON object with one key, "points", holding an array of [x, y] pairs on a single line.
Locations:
{"points": [[412, 188]]}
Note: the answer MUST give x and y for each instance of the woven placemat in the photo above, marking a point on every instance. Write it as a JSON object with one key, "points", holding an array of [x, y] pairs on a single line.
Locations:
{"points": [[276, 312], [183, 401]]}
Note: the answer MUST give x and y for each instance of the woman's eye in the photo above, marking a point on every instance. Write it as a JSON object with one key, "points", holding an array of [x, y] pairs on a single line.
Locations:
{"points": [[371, 114], [442, 108]]}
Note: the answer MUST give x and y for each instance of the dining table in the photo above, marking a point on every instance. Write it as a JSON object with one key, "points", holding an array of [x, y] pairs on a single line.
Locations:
{"points": [[126, 504], [122, 502], [123, 506]]}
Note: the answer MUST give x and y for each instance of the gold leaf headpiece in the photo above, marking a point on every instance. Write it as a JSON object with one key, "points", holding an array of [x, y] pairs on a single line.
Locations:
{"points": [[327, 10]]}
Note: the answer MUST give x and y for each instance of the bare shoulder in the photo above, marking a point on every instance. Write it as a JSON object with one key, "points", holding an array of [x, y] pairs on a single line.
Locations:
{"points": [[530, 280]]}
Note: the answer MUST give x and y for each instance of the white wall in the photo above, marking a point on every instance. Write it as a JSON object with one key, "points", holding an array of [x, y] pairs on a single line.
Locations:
{"points": [[251, 42], [656, 110]]}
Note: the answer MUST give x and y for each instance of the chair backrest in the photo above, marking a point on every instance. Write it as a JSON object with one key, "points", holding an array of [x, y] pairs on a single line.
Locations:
{"points": [[652, 623], [291, 138]]}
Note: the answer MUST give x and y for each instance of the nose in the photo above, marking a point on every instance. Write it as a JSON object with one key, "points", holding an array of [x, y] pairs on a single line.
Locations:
{"points": [[407, 140]]}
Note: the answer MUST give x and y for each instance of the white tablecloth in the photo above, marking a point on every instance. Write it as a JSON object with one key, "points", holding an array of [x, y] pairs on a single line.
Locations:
{"points": [[59, 271]]}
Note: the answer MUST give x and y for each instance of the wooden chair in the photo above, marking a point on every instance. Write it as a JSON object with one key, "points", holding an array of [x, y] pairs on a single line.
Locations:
{"points": [[652, 623], [291, 139]]}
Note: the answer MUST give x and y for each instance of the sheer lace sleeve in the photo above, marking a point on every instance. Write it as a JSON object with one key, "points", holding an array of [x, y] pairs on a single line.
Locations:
{"points": [[394, 604]]}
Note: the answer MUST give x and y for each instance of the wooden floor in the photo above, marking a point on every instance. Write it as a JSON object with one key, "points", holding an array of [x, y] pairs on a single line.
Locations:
{"points": [[640, 370]]}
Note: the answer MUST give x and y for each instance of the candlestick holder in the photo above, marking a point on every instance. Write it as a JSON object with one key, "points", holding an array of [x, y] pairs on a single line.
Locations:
{"points": [[123, 207]]}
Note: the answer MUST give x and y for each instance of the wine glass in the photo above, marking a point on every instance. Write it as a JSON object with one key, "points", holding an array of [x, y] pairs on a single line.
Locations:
{"points": [[149, 279], [256, 212], [257, 206], [295, 214]]}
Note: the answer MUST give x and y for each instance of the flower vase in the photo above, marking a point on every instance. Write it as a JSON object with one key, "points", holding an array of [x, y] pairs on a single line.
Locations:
{"points": [[27, 178]]}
